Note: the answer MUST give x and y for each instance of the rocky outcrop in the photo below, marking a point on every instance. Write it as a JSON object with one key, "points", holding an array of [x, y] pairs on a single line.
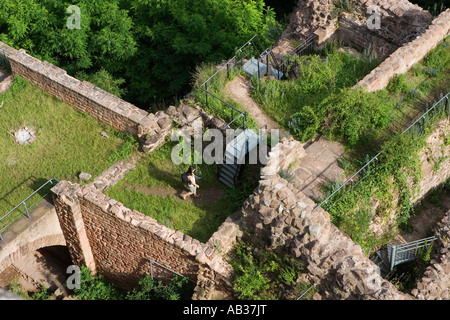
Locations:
{"points": [[435, 283]]}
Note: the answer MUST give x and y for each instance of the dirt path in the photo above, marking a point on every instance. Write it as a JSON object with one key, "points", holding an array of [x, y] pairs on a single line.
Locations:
{"points": [[239, 91], [208, 196]]}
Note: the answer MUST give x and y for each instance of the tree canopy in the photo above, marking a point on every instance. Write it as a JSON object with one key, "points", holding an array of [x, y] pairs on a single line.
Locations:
{"points": [[151, 47]]}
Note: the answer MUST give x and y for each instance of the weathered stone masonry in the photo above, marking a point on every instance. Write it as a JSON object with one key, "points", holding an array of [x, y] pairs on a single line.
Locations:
{"points": [[150, 128], [119, 243], [407, 55]]}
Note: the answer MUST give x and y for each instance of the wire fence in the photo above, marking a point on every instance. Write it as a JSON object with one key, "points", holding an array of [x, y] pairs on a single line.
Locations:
{"points": [[212, 87], [290, 63], [24, 207], [441, 107]]}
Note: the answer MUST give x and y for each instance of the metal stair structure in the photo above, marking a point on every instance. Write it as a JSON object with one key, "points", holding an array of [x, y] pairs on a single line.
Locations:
{"points": [[393, 255], [234, 156], [256, 67]]}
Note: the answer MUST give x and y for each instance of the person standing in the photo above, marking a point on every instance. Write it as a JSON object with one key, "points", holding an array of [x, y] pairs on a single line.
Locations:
{"points": [[192, 184]]}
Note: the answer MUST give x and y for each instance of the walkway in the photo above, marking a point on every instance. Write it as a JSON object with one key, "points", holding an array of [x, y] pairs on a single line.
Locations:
{"points": [[239, 90], [319, 166]]}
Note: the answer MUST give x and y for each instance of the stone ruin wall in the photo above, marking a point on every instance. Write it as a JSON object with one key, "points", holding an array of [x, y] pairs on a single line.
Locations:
{"points": [[119, 243], [401, 22], [432, 176], [435, 283], [407, 55], [277, 216], [149, 128]]}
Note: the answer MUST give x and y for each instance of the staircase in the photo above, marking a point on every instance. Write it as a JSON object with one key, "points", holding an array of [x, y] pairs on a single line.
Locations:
{"points": [[234, 156], [381, 259], [393, 255]]}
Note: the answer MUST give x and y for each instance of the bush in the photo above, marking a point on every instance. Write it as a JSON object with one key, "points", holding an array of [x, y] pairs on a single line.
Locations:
{"points": [[261, 275], [148, 289], [304, 124], [96, 287], [353, 114]]}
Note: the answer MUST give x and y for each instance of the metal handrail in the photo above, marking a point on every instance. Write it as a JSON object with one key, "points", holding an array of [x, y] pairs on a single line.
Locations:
{"points": [[152, 262], [446, 97], [406, 252], [27, 208], [204, 85]]}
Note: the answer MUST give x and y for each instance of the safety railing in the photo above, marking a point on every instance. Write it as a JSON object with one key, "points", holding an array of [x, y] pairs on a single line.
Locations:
{"points": [[407, 252], [218, 79], [23, 208], [4, 62], [152, 262], [417, 127]]}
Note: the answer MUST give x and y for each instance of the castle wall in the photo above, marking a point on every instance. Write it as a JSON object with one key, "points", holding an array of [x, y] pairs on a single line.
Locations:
{"points": [[406, 56]]}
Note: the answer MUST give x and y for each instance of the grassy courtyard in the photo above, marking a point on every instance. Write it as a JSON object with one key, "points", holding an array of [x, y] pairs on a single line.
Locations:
{"points": [[67, 142], [154, 189]]}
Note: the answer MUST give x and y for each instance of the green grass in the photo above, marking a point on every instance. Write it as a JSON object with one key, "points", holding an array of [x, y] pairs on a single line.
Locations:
{"points": [[321, 75], [152, 188], [323, 101], [68, 142]]}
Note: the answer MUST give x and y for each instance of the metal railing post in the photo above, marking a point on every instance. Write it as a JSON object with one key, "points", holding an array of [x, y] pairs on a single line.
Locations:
{"points": [[393, 252], [26, 208], [206, 94]]}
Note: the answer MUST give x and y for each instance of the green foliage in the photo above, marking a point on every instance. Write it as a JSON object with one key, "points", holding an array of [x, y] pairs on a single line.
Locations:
{"points": [[321, 75], [153, 188], [260, 275], [304, 124], [353, 114], [153, 45], [96, 287], [129, 145], [104, 80], [179, 288], [435, 7], [215, 86], [68, 142]]}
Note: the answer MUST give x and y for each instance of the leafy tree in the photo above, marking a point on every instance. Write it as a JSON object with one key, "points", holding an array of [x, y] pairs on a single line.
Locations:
{"points": [[153, 45], [176, 36]]}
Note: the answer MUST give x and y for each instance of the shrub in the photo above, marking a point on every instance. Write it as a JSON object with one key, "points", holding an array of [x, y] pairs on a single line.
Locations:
{"points": [[148, 289], [354, 113], [304, 124]]}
